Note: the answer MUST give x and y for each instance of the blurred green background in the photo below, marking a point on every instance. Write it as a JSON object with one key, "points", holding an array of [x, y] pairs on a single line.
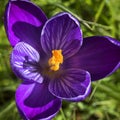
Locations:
{"points": [[97, 17]]}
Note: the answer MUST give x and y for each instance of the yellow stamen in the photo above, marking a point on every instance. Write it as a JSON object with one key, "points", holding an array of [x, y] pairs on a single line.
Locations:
{"points": [[56, 59]]}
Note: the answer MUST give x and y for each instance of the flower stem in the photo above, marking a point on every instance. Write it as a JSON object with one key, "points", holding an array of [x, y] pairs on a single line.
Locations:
{"points": [[62, 113], [98, 14], [74, 112], [94, 90], [7, 109]]}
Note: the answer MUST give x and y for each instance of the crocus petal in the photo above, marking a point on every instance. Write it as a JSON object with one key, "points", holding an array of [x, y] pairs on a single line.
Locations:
{"points": [[61, 32], [25, 62], [35, 102], [98, 55], [74, 85], [23, 22]]}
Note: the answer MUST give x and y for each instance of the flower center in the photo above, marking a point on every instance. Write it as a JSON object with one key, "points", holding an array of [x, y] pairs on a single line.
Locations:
{"points": [[56, 59]]}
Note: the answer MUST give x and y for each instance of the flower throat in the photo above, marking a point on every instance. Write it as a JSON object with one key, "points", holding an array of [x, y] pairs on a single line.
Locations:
{"points": [[56, 59]]}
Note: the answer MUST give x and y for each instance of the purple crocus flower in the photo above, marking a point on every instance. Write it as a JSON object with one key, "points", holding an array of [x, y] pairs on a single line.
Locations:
{"points": [[53, 59]]}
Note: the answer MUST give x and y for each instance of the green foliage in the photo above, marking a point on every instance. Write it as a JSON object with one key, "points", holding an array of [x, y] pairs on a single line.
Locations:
{"points": [[97, 17]]}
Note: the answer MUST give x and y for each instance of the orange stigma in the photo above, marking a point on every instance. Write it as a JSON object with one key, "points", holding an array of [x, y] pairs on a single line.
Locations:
{"points": [[56, 59]]}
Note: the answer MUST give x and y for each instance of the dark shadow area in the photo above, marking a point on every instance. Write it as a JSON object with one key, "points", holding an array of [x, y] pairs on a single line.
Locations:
{"points": [[27, 33], [40, 96]]}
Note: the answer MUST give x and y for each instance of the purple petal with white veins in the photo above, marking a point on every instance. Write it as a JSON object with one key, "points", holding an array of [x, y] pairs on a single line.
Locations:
{"points": [[100, 56], [23, 22], [61, 32], [35, 102], [25, 62], [73, 85]]}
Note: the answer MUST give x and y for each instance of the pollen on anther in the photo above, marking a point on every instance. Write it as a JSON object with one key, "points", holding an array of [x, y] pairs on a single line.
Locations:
{"points": [[56, 59]]}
